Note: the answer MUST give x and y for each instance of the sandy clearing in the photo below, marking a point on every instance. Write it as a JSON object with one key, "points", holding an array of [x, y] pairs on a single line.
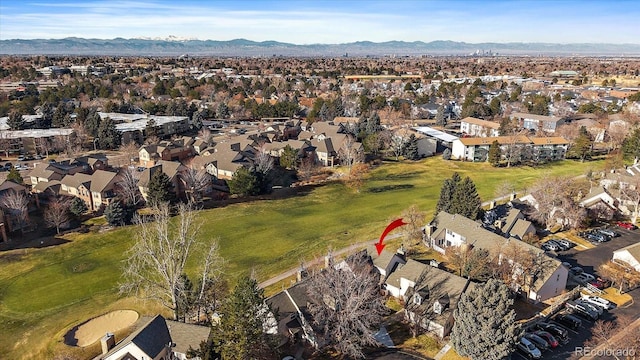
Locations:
{"points": [[91, 331]]}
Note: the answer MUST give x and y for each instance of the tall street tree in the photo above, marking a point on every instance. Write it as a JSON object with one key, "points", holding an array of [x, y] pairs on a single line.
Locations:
{"points": [[346, 305], [155, 264], [495, 153], [160, 189], [108, 136], [240, 334], [485, 326]]}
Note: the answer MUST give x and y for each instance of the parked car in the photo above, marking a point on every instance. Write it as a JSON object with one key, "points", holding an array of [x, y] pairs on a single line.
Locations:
{"points": [[539, 342], [8, 166], [548, 338], [22, 158], [568, 320], [560, 333], [566, 243], [596, 237], [582, 311], [600, 283], [584, 278], [576, 270], [547, 246], [39, 157], [608, 232], [598, 301], [626, 225], [528, 349], [590, 306]]}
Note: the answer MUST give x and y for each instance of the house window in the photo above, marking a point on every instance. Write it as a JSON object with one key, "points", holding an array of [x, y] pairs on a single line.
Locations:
{"points": [[558, 278], [449, 232]]}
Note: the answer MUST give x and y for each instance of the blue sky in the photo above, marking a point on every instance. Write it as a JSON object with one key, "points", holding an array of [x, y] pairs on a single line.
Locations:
{"points": [[328, 21]]}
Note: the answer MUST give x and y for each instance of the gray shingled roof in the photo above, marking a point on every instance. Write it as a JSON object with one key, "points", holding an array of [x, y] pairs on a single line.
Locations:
{"points": [[185, 336], [151, 337]]}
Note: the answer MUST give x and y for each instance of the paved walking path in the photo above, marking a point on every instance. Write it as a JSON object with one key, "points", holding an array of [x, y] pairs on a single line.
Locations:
{"points": [[320, 260]]}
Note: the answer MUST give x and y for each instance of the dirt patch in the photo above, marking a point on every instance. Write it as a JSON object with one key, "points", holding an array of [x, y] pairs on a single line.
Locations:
{"points": [[92, 330]]}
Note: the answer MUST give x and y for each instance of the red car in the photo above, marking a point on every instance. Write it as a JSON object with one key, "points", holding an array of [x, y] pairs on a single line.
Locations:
{"points": [[601, 283], [626, 225], [548, 338]]}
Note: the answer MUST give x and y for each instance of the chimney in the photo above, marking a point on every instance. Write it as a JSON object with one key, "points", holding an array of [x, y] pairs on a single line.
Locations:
{"points": [[428, 230], [512, 197], [108, 342], [492, 205]]}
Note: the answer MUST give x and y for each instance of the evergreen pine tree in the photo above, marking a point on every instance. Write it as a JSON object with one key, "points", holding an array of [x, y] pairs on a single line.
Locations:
{"points": [[495, 153], [244, 182], [440, 120], [445, 202], [411, 148], [114, 213], [14, 175], [15, 121], [108, 136], [240, 333], [485, 326], [222, 112], [78, 206], [160, 188], [150, 129], [466, 200]]}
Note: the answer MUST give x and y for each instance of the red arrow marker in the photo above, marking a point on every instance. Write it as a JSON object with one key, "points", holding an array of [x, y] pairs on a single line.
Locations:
{"points": [[390, 227]]}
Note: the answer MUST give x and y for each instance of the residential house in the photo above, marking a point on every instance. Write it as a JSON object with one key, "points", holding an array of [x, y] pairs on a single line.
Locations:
{"points": [[229, 158], [172, 169], [456, 230], [291, 318], [431, 294], [547, 149], [537, 122], [628, 256], [539, 149], [516, 225], [175, 150], [155, 339], [478, 127], [599, 199]]}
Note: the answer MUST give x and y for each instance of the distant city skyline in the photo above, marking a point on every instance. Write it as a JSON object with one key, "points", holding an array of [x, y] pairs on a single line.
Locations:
{"points": [[327, 22]]}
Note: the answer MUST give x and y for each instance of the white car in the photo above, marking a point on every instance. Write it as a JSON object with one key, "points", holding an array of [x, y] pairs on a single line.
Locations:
{"points": [[589, 305], [528, 349], [598, 301]]}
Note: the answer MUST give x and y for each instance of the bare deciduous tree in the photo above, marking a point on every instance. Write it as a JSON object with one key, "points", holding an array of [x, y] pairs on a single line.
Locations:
{"points": [[205, 135], [197, 182], [307, 168], [471, 262], [155, 264], [127, 187], [557, 201], [622, 275], [631, 194], [263, 162], [57, 213], [43, 145], [397, 141], [415, 220], [355, 179], [346, 305], [130, 150], [603, 331], [211, 272], [350, 153], [16, 204]]}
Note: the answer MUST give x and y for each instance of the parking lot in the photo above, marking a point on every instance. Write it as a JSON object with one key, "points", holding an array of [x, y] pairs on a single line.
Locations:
{"points": [[590, 260]]}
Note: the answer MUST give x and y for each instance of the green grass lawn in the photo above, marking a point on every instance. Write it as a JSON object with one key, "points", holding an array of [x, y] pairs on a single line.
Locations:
{"points": [[45, 291]]}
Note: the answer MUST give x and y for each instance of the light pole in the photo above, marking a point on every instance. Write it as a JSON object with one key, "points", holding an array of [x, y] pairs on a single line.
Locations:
{"points": [[94, 143]]}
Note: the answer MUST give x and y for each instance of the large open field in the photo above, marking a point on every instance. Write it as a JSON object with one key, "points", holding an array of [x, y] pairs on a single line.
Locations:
{"points": [[44, 292]]}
